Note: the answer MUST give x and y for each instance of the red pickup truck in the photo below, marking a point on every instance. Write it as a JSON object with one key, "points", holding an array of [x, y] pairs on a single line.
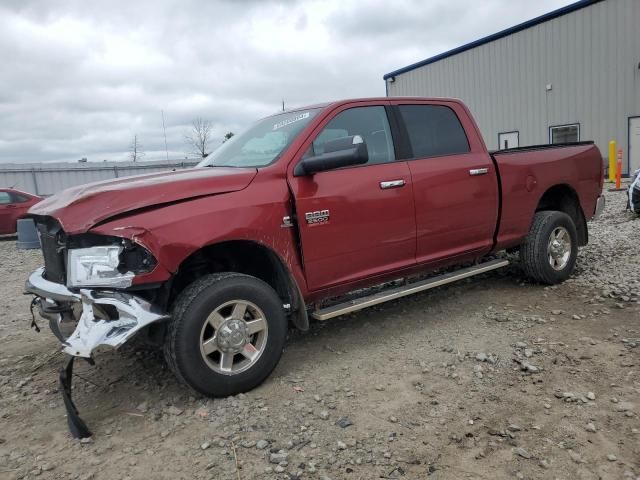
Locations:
{"points": [[285, 219]]}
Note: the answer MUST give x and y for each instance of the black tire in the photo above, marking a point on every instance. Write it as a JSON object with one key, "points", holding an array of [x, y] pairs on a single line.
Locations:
{"points": [[189, 315], [534, 254]]}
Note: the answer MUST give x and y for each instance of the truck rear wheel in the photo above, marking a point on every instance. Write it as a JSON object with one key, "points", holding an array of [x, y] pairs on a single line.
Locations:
{"points": [[226, 335], [549, 252]]}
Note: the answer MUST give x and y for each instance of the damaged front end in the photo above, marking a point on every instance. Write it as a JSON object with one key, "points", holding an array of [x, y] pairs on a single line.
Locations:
{"points": [[101, 317], [81, 292]]}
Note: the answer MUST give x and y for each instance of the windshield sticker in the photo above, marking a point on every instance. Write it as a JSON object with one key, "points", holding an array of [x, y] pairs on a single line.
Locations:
{"points": [[291, 120]]}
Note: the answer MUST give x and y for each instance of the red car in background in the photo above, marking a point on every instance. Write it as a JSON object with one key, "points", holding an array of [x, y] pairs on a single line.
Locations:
{"points": [[14, 205]]}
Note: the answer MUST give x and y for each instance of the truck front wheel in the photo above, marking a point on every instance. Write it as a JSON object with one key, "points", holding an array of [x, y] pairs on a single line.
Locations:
{"points": [[549, 252], [226, 334]]}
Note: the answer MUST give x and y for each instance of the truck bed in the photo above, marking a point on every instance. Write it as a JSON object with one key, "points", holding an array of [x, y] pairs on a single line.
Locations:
{"points": [[541, 146], [526, 174]]}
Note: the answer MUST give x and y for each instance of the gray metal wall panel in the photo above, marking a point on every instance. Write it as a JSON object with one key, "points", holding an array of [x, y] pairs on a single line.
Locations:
{"points": [[590, 57], [47, 179], [18, 180]]}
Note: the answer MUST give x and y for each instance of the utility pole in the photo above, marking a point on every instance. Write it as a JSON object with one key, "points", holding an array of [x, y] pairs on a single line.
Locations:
{"points": [[165, 136]]}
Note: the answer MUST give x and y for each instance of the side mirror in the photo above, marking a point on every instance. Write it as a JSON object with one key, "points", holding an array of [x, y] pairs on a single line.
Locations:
{"points": [[341, 152]]}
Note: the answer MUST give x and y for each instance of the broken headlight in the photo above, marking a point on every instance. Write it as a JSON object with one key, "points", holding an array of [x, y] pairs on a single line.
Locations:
{"points": [[96, 267], [110, 266]]}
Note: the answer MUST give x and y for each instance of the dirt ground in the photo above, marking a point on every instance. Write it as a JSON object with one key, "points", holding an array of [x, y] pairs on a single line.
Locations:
{"points": [[490, 378]]}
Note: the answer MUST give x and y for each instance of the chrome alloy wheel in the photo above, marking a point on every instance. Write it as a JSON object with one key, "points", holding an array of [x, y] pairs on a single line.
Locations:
{"points": [[233, 337], [559, 248]]}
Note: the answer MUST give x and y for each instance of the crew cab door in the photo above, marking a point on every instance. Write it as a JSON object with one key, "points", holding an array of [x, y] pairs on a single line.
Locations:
{"points": [[359, 221], [454, 181]]}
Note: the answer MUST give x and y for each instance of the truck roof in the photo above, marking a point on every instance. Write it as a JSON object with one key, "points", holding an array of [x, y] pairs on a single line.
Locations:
{"points": [[369, 99]]}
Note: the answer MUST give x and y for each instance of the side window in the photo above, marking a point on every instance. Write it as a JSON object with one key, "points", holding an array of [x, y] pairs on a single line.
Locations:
{"points": [[434, 130], [17, 198], [370, 123], [564, 134], [5, 198]]}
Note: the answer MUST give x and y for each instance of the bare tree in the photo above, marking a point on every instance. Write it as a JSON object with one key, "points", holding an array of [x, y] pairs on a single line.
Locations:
{"points": [[135, 149], [227, 136], [199, 137]]}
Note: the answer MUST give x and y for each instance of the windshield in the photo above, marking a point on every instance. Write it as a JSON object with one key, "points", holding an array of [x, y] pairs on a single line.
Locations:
{"points": [[262, 143]]}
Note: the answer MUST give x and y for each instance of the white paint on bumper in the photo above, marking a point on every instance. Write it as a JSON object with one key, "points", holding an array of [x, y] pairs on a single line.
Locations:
{"points": [[133, 314]]}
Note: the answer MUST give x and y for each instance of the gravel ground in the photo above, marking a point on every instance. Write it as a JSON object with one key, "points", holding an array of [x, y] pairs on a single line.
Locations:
{"points": [[491, 378]]}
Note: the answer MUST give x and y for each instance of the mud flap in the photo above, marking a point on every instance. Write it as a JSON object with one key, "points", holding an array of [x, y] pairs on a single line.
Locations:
{"points": [[634, 193], [77, 427]]}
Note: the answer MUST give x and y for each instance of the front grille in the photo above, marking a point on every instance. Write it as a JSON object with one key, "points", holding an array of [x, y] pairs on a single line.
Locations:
{"points": [[52, 251]]}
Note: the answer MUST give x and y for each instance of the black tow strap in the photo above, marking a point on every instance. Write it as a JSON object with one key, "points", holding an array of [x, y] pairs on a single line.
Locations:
{"points": [[77, 427], [34, 325]]}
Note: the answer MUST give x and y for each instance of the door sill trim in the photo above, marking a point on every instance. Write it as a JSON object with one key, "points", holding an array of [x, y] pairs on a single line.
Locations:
{"points": [[399, 292]]}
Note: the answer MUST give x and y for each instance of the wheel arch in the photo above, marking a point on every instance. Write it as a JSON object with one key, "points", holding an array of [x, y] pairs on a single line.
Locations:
{"points": [[563, 198], [248, 257]]}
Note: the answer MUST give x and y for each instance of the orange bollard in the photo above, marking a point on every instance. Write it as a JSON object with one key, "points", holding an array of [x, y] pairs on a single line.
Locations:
{"points": [[619, 168]]}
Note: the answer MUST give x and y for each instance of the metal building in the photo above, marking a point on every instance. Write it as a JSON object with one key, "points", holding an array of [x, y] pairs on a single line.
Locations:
{"points": [[571, 74], [48, 178]]}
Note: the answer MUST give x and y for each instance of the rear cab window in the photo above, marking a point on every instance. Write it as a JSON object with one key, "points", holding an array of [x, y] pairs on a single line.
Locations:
{"points": [[433, 130]]}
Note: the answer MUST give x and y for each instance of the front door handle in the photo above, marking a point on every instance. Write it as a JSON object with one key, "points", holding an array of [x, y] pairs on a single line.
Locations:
{"points": [[478, 171], [391, 184]]}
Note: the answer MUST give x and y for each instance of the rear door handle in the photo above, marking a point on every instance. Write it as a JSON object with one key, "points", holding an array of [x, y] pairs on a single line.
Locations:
{"points": [[478, 171], [391, 184]]}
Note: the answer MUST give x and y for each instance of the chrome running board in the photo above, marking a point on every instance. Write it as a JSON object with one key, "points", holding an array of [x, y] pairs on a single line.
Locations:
{"points": [[387, 295]]}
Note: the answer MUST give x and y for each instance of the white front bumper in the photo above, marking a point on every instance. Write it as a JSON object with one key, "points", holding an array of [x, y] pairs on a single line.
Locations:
{"points": [[134, 313]]}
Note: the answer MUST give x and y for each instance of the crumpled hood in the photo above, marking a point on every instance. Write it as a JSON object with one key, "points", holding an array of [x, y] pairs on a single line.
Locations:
{"points": [[80, 208]]}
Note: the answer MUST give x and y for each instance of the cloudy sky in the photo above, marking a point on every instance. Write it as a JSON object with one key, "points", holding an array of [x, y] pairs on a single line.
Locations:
{"points": [[81, 78]]}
